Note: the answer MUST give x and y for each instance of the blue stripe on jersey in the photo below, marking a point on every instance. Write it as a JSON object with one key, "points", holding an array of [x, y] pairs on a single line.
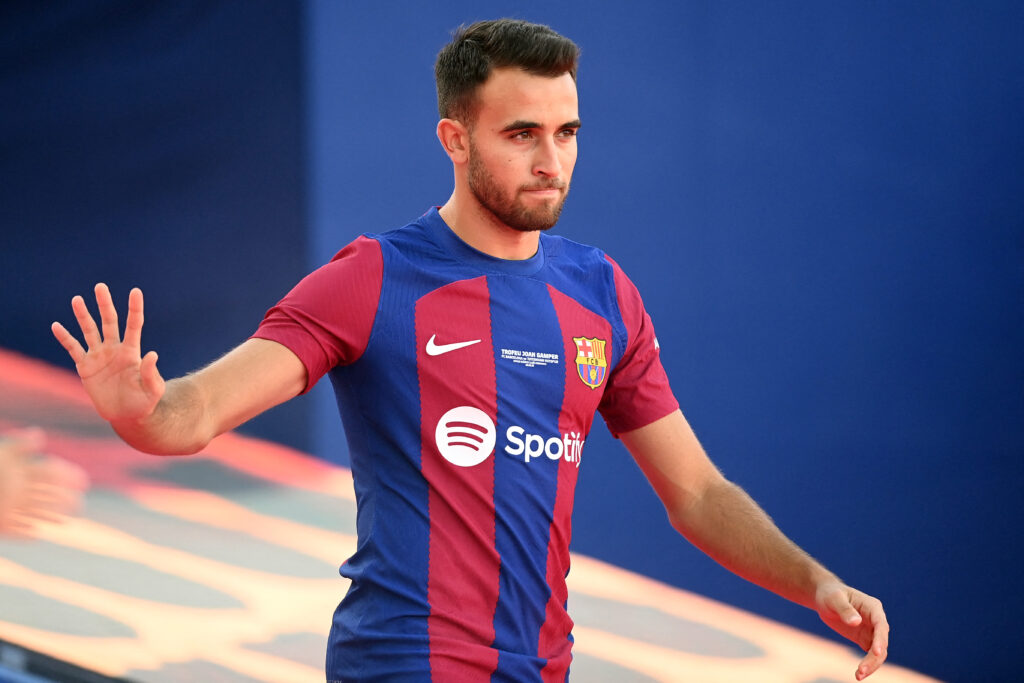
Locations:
{"points": [[524, 491]]}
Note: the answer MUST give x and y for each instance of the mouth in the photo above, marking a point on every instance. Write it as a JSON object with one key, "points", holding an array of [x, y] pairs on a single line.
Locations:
{"points": [[544, 191]]}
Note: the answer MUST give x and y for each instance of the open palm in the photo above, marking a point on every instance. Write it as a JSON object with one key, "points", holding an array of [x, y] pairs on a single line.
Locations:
{"points": [[122, 384]]}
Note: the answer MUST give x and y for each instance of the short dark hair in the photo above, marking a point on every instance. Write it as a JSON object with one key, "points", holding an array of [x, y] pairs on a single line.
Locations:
{"points": [[465, 63]]}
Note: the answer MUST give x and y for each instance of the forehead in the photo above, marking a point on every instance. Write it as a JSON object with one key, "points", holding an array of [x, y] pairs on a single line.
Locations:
{"points": [[511, 94]]}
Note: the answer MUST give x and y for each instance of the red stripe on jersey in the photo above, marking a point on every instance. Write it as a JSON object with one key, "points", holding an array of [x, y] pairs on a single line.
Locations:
{"points": [[638, 392], [455, 367], [578, 406]]}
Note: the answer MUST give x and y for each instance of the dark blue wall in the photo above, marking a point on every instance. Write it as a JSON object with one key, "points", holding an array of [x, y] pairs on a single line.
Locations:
{"points": [[821, 204], [156, 145]]}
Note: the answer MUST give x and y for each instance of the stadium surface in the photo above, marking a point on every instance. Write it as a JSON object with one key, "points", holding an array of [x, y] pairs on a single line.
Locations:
{"points": [[222, 567]]}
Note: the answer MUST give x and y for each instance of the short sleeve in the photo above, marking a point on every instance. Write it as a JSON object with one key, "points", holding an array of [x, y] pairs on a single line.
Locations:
{"points": [[327, 318], [638, 391]]}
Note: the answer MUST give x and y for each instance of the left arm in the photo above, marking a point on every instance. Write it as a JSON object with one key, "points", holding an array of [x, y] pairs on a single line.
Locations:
{"points": [[720, 518]]}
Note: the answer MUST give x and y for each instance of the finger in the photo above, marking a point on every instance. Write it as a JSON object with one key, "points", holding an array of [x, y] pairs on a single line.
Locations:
{"points": [[133, 324], [877, 645], [108, 313], [68, 341], [880, 641], [56, 503], [870, 663], [51, 503], [152, 382], [47, 512], [16, 528], [85, 322]]}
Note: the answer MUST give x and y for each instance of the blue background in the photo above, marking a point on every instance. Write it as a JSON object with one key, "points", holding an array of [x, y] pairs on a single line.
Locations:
{"points": [[820, 202]]}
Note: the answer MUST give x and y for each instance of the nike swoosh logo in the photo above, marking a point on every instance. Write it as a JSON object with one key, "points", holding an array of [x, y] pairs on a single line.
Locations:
{"points": [[437, 349]]}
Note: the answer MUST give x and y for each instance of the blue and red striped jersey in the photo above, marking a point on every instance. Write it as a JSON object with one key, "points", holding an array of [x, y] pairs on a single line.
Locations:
{"points": [[467, 386]]}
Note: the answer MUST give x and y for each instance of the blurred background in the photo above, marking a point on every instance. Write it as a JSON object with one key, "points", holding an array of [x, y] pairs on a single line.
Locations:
{"points": [[820, 202]]}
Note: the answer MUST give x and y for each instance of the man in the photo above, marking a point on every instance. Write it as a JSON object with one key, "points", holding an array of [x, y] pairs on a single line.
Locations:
{"points": [[469, 351]]}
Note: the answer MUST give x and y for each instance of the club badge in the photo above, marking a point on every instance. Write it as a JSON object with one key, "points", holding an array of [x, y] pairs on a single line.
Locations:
{"points": [[590, 361]]}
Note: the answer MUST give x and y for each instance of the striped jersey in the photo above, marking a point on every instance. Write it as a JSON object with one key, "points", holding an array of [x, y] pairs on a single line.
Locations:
{"points": [[467, 385]]}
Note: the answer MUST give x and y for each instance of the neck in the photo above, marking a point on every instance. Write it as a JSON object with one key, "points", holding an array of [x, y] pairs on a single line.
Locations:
{"points": [[480, 229]]}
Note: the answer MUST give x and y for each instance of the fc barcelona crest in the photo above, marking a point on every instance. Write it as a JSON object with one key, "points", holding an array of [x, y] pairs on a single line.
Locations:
{"points": [[590, 361]]}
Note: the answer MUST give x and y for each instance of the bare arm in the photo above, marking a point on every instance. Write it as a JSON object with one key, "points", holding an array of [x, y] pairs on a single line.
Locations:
{"points": [[182, 415], [251, 378], [720, 518]]}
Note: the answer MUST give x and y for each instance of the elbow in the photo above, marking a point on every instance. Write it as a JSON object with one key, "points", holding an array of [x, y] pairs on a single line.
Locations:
{"points": [[681, 520], [175, 449], [681, 509], [165, 442]]}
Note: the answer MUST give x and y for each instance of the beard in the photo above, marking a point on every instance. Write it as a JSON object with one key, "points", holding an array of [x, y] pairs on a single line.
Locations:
{"points": [[509, 208]]}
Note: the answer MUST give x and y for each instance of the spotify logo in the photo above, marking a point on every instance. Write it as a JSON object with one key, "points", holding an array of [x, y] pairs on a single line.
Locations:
{"points": [[465, 436]]}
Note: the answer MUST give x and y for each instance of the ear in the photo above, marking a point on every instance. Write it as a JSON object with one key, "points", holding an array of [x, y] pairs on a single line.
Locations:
{"points": [[454, 137]]}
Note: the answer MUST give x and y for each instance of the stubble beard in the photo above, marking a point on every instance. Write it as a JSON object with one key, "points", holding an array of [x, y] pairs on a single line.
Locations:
{"points": [[510, 210]]}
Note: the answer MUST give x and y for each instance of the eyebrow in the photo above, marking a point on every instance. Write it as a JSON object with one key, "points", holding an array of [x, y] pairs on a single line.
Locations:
{"points": [[526, 125]]}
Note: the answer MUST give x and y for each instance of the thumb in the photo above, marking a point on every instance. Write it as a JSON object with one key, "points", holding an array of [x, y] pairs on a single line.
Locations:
{"points": [[840, 604], [152, 382]]}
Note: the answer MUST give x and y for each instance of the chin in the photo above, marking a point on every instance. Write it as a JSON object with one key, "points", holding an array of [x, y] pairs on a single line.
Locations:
{"points": [[533, 224]]}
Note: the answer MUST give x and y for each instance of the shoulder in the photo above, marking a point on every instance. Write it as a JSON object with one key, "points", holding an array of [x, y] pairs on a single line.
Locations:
{"points": [[366, 246], [409, 243], [564, 252], [370, 251], [588, 263]]}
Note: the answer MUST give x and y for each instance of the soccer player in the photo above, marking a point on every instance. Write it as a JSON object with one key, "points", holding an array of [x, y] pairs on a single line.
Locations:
{"points": [[470, 351]]}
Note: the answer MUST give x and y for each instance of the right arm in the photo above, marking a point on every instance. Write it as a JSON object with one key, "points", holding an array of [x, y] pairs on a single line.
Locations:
{"points": [[182, 415]]}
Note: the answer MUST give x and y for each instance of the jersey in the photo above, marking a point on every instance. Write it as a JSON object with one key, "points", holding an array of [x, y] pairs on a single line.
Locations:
{"points": [[467, 386]]}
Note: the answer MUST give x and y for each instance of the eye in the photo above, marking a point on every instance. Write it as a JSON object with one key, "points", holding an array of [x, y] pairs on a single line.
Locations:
{"points": [[521, 135], [568, 132]]}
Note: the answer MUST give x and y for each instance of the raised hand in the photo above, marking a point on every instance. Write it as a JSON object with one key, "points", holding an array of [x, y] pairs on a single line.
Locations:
{"points": [[122, 384], [857, 617]]}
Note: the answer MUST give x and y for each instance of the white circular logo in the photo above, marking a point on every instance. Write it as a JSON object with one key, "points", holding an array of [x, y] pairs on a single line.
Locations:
{"points": [[465, 436]]}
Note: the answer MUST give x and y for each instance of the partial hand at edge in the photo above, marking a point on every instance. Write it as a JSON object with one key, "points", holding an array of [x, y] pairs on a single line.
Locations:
{"points": [[35, 487]]}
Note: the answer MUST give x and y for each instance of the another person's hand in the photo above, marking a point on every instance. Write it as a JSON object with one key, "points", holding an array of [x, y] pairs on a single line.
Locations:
{"points": [[122, 384], [35, 487], [857, 617]]}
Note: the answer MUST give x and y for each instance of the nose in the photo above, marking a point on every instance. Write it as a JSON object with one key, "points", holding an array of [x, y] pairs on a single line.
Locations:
{"points": [[547, 162]]}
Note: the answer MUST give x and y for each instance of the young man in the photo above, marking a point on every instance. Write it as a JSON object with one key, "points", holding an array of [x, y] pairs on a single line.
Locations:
{"points": [[469, 351]]}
